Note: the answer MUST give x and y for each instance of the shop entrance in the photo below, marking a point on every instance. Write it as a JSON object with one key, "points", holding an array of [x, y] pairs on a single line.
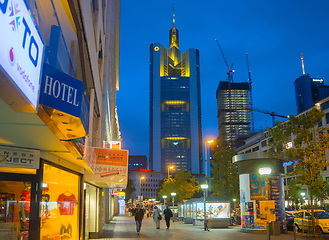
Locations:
{"points": [[17, 214]]}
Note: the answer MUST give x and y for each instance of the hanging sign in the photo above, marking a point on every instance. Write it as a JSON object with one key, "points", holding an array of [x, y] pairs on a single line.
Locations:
{"points": [[17, 157]]}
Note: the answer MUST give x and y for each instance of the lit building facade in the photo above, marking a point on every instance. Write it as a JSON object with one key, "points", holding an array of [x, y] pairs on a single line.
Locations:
{"points": [[309, 91], [233, 112], [137, 162], [60, 102], [175, 107]]}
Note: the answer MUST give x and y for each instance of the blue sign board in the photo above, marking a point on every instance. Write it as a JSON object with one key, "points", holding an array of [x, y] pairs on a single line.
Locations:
{"points": [[65, 93]]}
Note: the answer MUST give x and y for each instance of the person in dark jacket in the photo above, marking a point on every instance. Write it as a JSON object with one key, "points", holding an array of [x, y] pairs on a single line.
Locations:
{"points": [[168, 214], [139, 215]]}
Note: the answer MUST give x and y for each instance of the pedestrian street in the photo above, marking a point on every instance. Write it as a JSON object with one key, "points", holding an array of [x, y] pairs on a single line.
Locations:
{"points": [[123, 227]]}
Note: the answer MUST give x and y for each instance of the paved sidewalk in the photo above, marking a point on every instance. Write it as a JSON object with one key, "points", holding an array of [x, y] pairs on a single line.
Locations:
{"points": [[123, 227]]}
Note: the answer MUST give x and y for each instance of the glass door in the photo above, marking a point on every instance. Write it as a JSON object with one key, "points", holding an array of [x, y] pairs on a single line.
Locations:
{"points": [[15, 202]]}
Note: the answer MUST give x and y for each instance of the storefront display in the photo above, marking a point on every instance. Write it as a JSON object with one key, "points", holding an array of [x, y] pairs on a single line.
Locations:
{"points": [[60, 204], [15, 210], [213, 210]]}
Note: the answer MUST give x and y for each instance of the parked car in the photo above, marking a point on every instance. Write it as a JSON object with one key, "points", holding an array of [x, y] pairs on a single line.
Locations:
{"points": [[290, 221], [303, 220], [290, 210]]}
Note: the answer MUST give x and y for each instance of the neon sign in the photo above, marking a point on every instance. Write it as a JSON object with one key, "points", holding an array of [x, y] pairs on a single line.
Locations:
{"points": [[144, 170]]}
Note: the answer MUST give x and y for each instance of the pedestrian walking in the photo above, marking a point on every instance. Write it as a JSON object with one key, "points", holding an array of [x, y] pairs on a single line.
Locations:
{"points": [[168, 214], [139, 215], [157, 217], [147, 212]]}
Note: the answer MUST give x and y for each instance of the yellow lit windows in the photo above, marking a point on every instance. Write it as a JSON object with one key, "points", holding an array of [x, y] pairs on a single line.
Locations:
{"points": [[175, 106], [175, 142]]}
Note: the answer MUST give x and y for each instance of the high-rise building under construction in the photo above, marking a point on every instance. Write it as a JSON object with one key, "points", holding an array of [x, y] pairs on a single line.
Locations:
{"points": [[175, 107], [233, 107]]}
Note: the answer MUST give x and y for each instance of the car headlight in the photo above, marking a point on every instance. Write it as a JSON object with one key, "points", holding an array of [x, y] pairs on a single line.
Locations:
{"points": [[326, 224]]}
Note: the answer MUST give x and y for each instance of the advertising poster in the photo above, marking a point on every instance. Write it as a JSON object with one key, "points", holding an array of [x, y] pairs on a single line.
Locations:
{"points": [[111, 166], [257, 187]]}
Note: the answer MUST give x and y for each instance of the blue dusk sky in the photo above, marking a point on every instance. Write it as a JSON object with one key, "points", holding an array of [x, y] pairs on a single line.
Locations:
{"points": [[273, 33]]}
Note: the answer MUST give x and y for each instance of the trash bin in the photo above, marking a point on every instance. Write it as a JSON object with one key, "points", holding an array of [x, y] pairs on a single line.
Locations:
{"points": [[275, 228]]}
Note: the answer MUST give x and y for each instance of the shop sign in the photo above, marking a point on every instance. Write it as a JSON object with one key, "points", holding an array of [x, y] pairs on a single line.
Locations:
{"points": [[17, 157], [144, 170], [110, 166], [21, 48], [65, 93]]}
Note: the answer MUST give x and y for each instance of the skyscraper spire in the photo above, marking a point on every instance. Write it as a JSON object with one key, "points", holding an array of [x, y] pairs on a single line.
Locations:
{"points": [[173, 19]]}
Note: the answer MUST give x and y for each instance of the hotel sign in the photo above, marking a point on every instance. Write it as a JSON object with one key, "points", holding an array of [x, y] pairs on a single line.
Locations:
{"points": [[21, 48], [17, 157]]}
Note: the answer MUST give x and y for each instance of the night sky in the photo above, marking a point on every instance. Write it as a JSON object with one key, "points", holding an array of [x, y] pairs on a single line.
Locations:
{"points": [[273, 33]]}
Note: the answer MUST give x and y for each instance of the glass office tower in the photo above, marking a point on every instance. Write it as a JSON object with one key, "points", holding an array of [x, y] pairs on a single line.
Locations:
{"points": [[175, 108]]}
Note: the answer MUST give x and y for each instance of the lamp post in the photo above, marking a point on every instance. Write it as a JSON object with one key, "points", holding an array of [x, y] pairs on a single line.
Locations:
{"points": [[205, 161], [266, 171], [164, 198], [140, 189], [173, 202], [170, 167], [204, 187]]}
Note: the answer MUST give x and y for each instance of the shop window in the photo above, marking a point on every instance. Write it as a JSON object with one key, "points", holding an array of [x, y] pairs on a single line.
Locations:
{"points": [[60, 204], [15, 198]]}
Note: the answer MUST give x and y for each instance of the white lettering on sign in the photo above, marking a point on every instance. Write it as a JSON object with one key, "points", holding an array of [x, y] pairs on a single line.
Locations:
{"points": [[21, 48], [61, 90]]}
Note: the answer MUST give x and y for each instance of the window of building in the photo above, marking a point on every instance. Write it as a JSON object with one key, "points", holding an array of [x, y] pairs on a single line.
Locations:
{"points": [[264, 143], [255, 149]]}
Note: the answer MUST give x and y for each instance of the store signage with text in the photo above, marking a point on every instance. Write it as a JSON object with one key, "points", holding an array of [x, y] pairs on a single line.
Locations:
{"points": [[17, 157], [21, 48], [65, 93]]}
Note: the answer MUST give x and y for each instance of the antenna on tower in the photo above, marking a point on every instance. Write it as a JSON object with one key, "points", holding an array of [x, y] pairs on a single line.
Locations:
{"points": [[301, 56], [173, 20]]}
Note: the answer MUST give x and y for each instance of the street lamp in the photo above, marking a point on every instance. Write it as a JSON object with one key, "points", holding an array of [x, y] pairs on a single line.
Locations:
{"points": [[140, 189], [266, 171], [173, 202], [205, 161], [164, 198], [204, 187], [170, 167]]}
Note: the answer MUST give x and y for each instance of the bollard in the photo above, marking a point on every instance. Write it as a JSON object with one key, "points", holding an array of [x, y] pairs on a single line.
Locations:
{"points": [[268, 232]]}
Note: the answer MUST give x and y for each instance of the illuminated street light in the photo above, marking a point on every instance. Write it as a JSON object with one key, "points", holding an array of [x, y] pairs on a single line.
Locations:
{"points": [[204, 187], [140, 190], [164, 198], [173, 202], [206, 161], [170, 167]]}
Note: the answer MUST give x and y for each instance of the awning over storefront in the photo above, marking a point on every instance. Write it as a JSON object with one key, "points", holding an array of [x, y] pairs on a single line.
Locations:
{"points": [[110, 167]]}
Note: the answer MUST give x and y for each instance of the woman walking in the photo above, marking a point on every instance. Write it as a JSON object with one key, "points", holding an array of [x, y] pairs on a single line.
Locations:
{"points": [[157, 217], [139, 215]]}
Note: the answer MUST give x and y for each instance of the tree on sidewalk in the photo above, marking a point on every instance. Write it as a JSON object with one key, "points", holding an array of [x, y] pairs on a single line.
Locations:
{"points": [[129, 189], [225, 177], [183, 184], [301, 140]]}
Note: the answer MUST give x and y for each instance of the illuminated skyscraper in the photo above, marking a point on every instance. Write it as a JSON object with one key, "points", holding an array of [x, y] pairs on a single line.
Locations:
{"points": [[233, 112], [175, 107]]}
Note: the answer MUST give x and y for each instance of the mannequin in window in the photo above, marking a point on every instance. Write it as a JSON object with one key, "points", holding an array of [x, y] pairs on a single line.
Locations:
{"points": [[25, 206]]}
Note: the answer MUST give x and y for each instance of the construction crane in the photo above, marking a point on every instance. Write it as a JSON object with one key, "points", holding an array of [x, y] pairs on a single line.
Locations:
{"points": [[230, 72], [273, 114], [250, 98]]}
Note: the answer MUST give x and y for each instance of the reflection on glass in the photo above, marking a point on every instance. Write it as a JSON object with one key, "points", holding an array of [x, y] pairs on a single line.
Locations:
{"points": [[15, 209]]}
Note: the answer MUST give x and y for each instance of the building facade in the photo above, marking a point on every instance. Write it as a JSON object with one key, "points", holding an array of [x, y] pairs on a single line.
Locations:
{"points": [[175, 107], [58, 76], [137, 162], [260, 143], [233, 111], [309, 91]]}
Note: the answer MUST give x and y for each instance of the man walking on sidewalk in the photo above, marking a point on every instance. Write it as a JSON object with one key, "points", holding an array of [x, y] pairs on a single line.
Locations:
{"points": [[168, 214], [157, 217], [139, 215]]}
